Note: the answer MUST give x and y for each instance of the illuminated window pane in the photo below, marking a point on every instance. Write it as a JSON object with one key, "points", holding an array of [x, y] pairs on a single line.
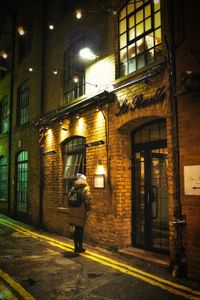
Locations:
{"points": [[147, 11], [158, 36], [147, 24], [139, 16], [139, 3], [132, 65], [140, 46], [130, 7], [157, 5], [140, 61], [131, 21], [149, 41], [157, 21], [131, 51], [131, 34], [122, 13], [123, 55], [123, 40], [124, 69], [139, 29], [122, 26], [150, 55]]}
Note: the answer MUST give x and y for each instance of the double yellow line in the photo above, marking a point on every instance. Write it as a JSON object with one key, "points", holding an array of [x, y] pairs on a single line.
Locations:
{"points": [[169, 286]]}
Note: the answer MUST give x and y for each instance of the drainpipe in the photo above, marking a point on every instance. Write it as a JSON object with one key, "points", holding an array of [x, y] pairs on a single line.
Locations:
{"points": [[178, 263], [42, 84], [13, 14]]}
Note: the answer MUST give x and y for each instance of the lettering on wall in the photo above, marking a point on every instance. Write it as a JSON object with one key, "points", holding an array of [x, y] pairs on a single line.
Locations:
{"points": [[140, 101]]}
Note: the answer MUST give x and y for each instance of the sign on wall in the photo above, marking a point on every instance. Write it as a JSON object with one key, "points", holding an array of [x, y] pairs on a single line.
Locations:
{"points": [[192, 180]]}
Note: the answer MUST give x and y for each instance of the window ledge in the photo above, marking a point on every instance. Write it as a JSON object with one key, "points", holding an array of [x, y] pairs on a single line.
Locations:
{"points": [[64, 210]]}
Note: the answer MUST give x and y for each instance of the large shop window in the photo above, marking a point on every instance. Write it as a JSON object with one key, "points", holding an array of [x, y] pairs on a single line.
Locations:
{"points": [[73, 160], [139, 35], [73, 66], [3, 178], [23, 103], [22, 182], [4, 113]]}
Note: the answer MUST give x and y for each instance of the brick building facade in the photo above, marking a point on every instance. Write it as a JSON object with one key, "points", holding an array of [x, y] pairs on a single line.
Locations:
{"points": [[120, 117]]}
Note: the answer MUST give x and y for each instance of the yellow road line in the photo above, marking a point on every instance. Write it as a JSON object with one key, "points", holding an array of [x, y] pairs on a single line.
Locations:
{"points": [[6, 293], [124, 268], [16, 286]]}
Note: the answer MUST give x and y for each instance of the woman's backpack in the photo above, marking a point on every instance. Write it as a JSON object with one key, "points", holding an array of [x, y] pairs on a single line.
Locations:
{"points": [[75, 199]]}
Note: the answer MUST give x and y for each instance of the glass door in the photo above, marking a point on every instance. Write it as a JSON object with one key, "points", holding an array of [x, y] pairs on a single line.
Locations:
{"points": [[150, 218]]}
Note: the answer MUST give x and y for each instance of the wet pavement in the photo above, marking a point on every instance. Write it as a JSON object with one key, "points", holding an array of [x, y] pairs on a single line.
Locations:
{"points": [[40, 265]]}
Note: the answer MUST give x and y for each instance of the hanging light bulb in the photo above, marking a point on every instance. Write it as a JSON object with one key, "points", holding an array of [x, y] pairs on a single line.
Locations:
{"points": [[78, 14], [21, 30], [75, 78], [51, 26], [55, 72], [30, 69]]}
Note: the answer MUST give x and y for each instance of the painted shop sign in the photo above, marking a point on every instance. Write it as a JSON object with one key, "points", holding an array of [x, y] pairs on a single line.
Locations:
{"points": [[139, 101]]}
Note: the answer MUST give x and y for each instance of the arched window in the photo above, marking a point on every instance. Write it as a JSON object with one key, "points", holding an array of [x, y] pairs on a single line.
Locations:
{"points": [[3, 177], [73, 160], [139, 35], [22, 182]]}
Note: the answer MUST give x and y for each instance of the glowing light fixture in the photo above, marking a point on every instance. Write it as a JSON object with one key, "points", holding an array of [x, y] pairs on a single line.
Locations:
{"points": [[30, 69], [55, 72], [78, 14], [75, 78], [156, 1], [87, 53], [4, 54], [51, 26], [77, 116], [21, 30]]}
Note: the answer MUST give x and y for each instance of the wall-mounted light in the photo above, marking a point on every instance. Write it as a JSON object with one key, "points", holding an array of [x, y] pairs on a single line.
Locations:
{"points": [[76, 78], [21, 30], [78, 13], [55, 71], [86, 53], [99, 181]]}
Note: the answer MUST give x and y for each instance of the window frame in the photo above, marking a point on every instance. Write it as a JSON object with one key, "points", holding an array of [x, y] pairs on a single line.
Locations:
{"points": [[3, 178], [73, 66], [4, 115], [23, 95], [22, 194], [125, 59]]}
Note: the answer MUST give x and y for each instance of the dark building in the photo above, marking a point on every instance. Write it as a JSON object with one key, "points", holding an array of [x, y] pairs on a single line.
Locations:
{"points": [[110, 89]]}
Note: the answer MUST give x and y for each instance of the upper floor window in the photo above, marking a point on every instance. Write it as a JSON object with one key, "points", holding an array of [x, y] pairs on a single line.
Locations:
{"points": [[3, 177], [74, 66], [4, 113], [22, 182], [139, 35], [23, 103]]}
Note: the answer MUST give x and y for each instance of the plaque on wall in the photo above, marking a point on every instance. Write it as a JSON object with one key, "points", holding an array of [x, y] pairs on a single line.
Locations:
{"points": [[192, 180]]}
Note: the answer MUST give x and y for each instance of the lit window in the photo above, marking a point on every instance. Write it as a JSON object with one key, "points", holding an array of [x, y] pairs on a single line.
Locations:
{"points": [[23, 103], [139, 35], [73, 160], [4, 113], [3, 178], [22, 182], [73, 65]]}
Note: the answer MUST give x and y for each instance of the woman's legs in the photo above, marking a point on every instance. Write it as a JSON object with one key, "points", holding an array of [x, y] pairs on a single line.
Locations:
{"points": [[78, 239]]}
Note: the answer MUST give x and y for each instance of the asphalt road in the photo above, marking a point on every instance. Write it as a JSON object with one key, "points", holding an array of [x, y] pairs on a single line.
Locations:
{"points": [[39, 265]]}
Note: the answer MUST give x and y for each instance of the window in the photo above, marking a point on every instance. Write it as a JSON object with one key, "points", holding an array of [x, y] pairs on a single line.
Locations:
{"points": [[4, 113], [139, 35], [73, 66], [23, 103], [73, 160], [22, 182], [3, 178]]}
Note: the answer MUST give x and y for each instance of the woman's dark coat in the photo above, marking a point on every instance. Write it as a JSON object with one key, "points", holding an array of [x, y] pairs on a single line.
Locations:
{"points": [[78, 215]]}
